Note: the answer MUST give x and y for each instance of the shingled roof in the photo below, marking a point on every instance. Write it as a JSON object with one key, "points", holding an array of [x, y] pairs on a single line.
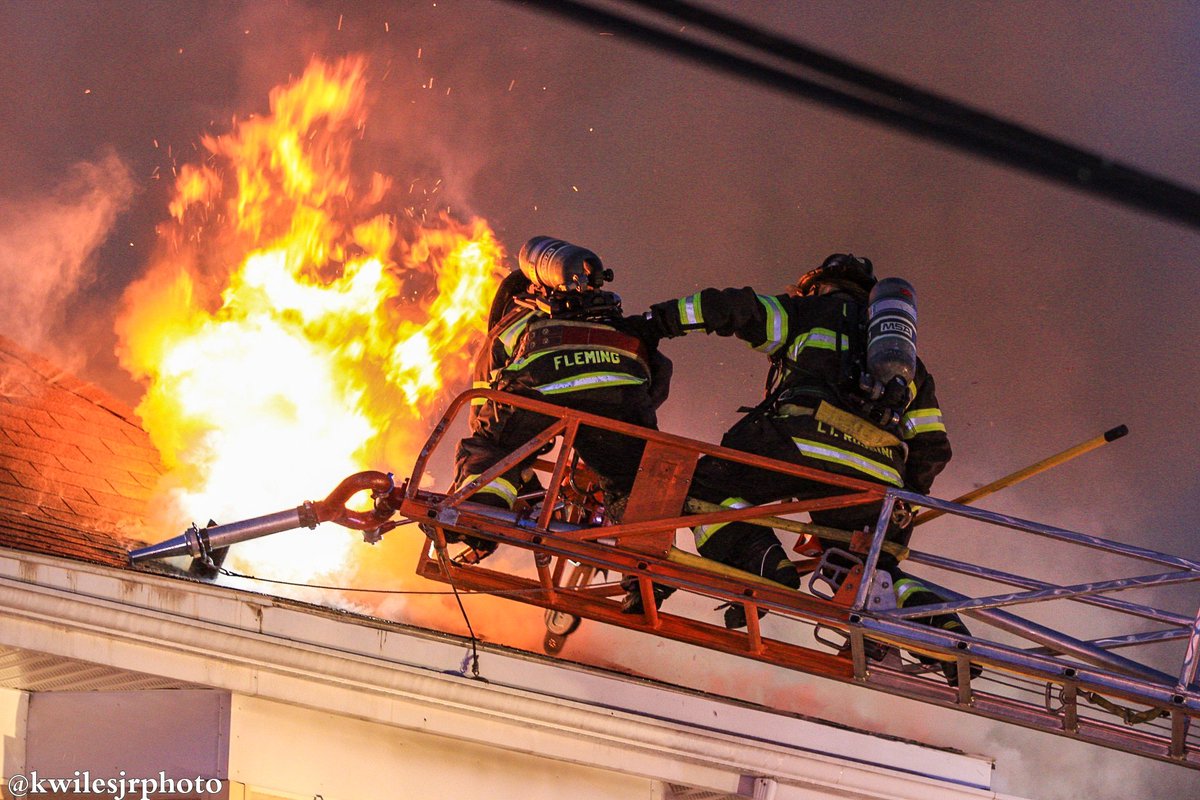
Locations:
{"points": [[76, 468]]}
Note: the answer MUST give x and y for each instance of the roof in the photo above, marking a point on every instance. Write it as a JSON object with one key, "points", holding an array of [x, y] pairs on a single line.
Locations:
{"points": [[76, 468]]}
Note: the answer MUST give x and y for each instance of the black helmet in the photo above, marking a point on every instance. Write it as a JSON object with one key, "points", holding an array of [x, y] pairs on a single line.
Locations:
{"points": [[514, 283], [840, 268]]}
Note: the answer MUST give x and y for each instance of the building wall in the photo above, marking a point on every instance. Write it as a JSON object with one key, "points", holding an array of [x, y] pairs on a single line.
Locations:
{"points": [[14, 707], [266, 749], [297, 751]]}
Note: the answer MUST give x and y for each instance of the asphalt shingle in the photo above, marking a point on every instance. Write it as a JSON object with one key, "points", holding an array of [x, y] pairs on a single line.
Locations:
{"points": [[76, 468]]}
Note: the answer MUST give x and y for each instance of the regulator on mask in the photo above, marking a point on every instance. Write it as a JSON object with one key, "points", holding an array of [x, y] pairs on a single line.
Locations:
{"points": [[566, 278], [891, 361]]}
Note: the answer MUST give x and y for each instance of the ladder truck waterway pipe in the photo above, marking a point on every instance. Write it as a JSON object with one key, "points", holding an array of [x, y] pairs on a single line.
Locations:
{"points": [[202, 542]]}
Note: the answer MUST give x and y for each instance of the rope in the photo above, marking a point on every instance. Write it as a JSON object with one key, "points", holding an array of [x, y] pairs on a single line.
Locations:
{"points": [[1128, 715]]}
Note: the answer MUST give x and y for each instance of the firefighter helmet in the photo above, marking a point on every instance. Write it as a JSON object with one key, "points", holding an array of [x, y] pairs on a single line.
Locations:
{"points": [[515, 283], [840, 268]]}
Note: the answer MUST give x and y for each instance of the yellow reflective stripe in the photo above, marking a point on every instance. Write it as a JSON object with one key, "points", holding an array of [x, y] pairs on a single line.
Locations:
{"points": [[522, 363], [776, 325], [704, 532], [590, 380], [835, 455], [500, 487], [513, 332], [906, 587], [817, 339], [921, 420], [478, 401], [691, 311]]}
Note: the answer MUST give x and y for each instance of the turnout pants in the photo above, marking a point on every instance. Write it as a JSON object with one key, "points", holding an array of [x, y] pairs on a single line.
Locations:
{"points": [[613, 457], [797, 440]]}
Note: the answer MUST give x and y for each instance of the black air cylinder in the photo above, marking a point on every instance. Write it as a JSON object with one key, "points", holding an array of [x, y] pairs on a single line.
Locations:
{"points": [[892, 330], [558, 265]]}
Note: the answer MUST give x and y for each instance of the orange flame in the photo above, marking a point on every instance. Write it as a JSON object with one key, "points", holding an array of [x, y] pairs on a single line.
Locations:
{"points": [[297, 331]]}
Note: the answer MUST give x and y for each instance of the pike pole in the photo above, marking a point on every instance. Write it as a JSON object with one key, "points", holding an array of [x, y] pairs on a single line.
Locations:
{"points": [[1028, 472]]}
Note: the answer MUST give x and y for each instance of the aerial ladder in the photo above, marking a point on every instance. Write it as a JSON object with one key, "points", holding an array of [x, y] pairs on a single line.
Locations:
{"points": [[1119, 691]]}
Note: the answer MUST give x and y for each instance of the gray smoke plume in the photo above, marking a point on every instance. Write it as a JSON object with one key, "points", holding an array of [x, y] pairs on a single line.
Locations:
{"points": [[48, 245]]}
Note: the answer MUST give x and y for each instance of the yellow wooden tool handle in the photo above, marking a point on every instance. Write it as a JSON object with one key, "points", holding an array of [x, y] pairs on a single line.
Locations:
{"points": [[1031, 470]]}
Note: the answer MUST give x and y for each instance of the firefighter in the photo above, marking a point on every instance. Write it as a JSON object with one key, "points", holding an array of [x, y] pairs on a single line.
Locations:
{"points": [[822, 409], [556, 336]]}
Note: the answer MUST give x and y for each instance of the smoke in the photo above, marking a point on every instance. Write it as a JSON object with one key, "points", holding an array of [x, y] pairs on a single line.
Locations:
{"points": [[1047, 317], [48, 247]]}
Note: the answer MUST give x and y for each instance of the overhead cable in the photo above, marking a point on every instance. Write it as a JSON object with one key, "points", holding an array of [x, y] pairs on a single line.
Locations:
{"points": [[729, 45]]}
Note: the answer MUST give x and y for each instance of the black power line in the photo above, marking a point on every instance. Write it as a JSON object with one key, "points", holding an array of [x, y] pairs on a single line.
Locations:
{"points": [[847, 87]]}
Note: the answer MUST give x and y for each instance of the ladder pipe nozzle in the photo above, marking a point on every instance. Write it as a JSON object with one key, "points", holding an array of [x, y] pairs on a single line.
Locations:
{"points": [[202, 542]]}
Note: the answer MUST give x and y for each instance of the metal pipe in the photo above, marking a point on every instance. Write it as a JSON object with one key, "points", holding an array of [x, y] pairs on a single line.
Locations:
{"points": [[1113, 603], [1058, 641], [1072, 592], [881, 528], [1191, 658], [196, 542], [1049, 531], [201, 543], [1126, 640], [1028, 472]]}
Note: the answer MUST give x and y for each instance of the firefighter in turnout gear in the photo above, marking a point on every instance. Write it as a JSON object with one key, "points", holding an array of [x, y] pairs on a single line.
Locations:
{"points": [[556, 336], [823, 409]]}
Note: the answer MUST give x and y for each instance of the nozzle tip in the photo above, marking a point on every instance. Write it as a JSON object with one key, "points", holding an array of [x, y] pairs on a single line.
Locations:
{"points": [[1115, 433]]}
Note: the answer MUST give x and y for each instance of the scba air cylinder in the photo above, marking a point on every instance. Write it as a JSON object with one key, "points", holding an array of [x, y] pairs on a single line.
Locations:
{"points": [[558, 265], [892, 331]]}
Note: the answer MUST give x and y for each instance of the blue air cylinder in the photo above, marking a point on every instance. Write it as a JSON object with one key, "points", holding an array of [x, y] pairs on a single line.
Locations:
{"points": [[892, 330], [558, 265]]}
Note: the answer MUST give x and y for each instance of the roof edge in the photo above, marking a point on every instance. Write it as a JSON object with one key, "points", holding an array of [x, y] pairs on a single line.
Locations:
{"points": [[255, 646]]}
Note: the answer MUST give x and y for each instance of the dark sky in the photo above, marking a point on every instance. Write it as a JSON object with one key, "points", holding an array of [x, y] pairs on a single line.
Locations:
{"points": [[1046, 315]]}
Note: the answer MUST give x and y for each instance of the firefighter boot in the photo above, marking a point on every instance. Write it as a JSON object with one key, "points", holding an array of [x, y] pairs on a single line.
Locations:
{"points": [[911, 593], [773, 564], [480, 548], [632, 602]]}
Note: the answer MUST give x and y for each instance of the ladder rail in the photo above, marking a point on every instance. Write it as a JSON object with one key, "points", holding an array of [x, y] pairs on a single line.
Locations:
{"points": [[1049, 531], [1086, 677], [998, 576], [1071, 592]]}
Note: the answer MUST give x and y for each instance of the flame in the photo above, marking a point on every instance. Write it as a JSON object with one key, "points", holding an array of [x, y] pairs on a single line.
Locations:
{"points": [[297, 329]]}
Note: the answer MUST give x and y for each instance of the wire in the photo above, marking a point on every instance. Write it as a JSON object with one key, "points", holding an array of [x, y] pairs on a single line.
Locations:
{"points": [[444, 560], [494, 592], [871, 95]]}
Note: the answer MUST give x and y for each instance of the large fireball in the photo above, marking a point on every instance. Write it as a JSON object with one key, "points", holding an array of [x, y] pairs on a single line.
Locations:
{"points": [[296, 327]]}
